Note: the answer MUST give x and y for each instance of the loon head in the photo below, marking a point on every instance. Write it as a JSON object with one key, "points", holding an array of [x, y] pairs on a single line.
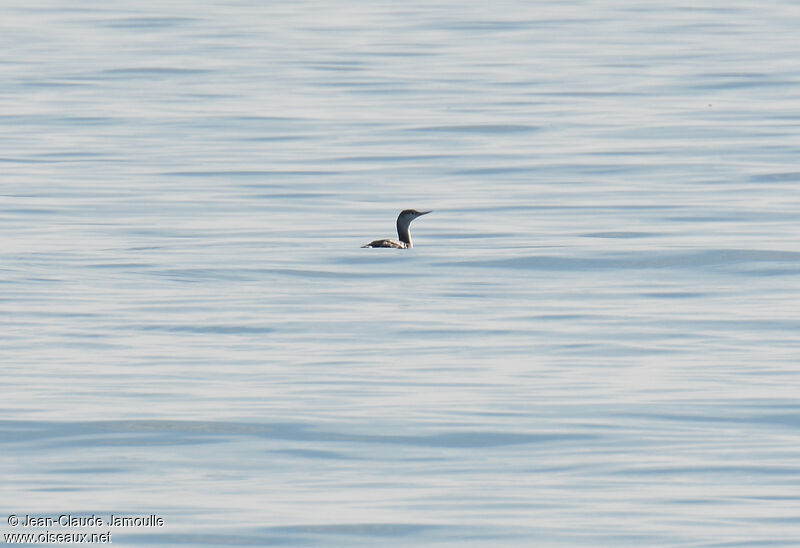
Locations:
{"points": [[408, 215]]}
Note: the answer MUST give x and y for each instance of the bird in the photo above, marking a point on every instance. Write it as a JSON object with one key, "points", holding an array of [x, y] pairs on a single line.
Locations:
{"points": [[403, 233]]}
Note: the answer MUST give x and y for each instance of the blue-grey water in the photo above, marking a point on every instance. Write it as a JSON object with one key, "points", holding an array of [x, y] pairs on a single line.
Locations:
{"points": [[594, 342]]}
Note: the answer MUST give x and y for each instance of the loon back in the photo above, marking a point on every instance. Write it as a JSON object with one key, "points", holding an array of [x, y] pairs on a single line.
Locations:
{"points": [[403, 231], [387, 243]]}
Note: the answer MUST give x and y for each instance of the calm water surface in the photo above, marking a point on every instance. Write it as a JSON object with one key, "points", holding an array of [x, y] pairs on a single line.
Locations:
{"points": [[593, 343]]}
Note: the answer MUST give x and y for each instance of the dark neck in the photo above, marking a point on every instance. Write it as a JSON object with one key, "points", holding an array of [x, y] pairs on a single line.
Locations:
{"points": [[403, 233]]}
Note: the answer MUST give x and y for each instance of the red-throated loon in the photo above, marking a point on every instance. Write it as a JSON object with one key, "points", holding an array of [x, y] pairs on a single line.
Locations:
{"points": [[403, 221]]}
